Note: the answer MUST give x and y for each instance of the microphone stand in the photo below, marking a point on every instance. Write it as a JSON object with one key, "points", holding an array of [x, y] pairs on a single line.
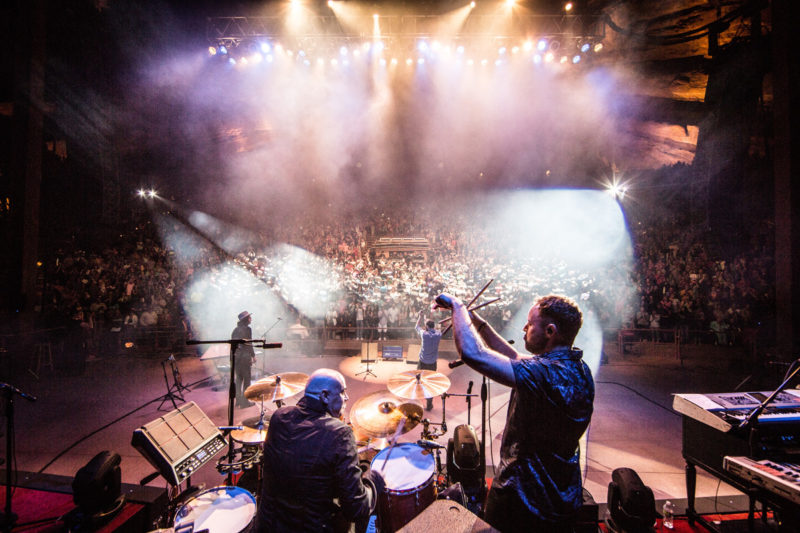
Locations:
{"points": [[8, 519], [753, 415], [234, 343], [264, 339]]}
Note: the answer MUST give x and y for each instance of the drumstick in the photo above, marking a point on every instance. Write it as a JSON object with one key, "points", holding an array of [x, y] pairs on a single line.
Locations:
{"points": [[471, 302], [450, 325], [484, 304], [397, 433]]}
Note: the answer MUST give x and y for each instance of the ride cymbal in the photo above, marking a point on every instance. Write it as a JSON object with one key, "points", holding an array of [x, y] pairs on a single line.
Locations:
{"points": [[418, 384], [379, 414], [277, 386]]}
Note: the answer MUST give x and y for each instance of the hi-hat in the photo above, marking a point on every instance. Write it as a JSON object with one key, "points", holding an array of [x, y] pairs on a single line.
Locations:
{"points": [[277, 386], [379, 414], [418, 384]]}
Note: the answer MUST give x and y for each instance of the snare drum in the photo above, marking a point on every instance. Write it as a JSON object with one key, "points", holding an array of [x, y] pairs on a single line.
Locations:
{"points": [[410, 487], [219, 510]]}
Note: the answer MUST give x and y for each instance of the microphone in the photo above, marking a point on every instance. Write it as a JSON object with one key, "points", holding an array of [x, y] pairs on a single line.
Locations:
{"points": [[13, 389], [226, 429], [270, 345], [429, 445], [469, 388]]}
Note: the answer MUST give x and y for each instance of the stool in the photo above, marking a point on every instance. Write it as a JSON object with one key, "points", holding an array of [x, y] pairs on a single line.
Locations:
{"points": [[43, 355]]}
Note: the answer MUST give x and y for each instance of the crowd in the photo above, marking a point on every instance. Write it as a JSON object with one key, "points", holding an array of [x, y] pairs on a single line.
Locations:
{"points": [[137, 284]]}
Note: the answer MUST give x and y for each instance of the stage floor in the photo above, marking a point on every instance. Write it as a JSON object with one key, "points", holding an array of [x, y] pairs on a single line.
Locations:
{"points": [[75, 417]]}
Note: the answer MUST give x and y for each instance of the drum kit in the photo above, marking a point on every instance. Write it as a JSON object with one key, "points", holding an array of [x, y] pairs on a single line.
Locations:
{"points": [[412, 471]]}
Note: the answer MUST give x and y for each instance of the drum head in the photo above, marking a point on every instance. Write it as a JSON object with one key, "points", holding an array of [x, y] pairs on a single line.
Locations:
{"points": [[219, 510], [409, 466]]}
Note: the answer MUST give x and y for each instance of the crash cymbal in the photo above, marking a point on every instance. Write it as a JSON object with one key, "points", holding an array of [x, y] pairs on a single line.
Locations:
{"points": [[418, 384], [379, 414], [277, 386]]}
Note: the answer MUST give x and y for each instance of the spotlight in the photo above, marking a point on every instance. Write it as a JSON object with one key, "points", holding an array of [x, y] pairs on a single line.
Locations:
{"points": [[472, 5], [141, 193], [598, 47], [409, 61], [541, 45], [212, 50], [265, 47], [576, 59], [563, 59], [421, 61], [152, 193], [515, 50], [343, 50], [568, 7], [585, 47], [394, 61], [330, 3], [223, 50], [528, 46], [460, 50], [548, 57], [510, 3], [537, 58], [502, 50], [422, 46]]}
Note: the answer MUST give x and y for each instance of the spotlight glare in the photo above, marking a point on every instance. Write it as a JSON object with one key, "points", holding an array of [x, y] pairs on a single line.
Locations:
{"points": [[576, 59], [460, 50], [548, 57], [472, 5], [212, 50], [542, 45], [598, 47], [510, 3], [343, 50], [585, 47], [423, 46], [515, 50], [141, 193], [528, 46], [409, 61], [265, 47], [501, 50], [568, 6], [563, 59], [223, 50], [537, 58], [232, 61], [383, 62], [375, 17], [152, 193], [330, 3], [421, 61]]}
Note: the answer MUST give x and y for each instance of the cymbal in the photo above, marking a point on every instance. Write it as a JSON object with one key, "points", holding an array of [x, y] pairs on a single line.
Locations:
{"points": [[418, 384], [253, 421], [249, 435], [277, 386], [379, 414]]}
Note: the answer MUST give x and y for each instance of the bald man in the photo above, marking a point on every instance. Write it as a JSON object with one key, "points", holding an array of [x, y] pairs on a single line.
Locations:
{"points": [[310, 459]]}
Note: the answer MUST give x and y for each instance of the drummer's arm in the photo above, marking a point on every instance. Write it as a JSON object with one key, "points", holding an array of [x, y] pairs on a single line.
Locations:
{"points": [[492, 339], [474, 349], [356, 499]]}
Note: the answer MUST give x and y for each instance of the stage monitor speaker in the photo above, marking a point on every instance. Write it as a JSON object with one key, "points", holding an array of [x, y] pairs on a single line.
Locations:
{"points": [[446, 515], [179, 443], [412, 354], [630, 502], [97, 485]]}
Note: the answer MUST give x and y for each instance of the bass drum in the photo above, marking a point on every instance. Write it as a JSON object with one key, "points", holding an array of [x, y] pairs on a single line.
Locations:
{"points": [[410, 488], [218, 510]]}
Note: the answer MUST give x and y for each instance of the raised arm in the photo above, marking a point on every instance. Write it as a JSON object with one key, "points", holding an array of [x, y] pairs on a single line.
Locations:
{"points": [[473, 348]]}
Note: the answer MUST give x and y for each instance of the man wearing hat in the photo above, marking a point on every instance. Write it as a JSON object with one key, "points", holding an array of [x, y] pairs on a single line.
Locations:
{"points": [[243, 357]]}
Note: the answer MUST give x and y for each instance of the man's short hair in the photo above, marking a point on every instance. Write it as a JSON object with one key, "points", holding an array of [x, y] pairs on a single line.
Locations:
{"points": [[563, 312], [430, 324]]}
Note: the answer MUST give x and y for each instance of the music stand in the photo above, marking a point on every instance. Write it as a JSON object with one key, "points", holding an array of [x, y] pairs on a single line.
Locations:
{"points": [[367, 371], [173, 391]]}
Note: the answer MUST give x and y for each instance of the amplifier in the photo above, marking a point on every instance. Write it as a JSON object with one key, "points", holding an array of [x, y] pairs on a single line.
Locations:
{"points": [[179, 443]]}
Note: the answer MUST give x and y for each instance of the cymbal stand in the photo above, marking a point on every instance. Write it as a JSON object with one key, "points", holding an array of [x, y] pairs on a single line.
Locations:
{"points": [[7, 518], [468, 396], [264, 340], [234, 343]]}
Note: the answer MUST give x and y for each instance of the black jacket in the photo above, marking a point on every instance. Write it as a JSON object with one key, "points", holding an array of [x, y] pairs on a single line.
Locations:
{"points": [[310, 458]]}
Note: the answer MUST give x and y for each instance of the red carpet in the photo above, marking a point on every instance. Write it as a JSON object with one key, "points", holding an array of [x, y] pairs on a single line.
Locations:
{"points": [[41, 511]]}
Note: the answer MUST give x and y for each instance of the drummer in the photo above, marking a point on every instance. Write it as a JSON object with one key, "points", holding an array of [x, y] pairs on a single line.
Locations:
{"points": [[310, 459]]}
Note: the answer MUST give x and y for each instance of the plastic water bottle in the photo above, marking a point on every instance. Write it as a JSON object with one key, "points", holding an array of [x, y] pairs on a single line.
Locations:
{"points": [[669, 513]]}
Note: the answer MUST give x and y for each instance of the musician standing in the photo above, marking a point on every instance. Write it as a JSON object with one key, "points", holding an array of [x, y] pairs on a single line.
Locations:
{"points": [[429, 348], [538, 486], [310, 458], [243, 357]]}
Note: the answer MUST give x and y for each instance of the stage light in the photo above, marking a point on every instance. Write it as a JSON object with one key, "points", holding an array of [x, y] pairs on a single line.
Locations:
{"points": [[472, 5], [501, 50], [383, 62], [598, 47], [320, 61], [231, 61], [356, 52], [256, 58], [307, 63], [510, 3], [265, 47], [212, 50], [563, 59], [470, 62], [460, 50], [409, 61], [334, 62], [375, 17], [548, 57], [528, 46], [302, 53], [568, 7], [366, 46], [576, 59], [394, 61], [484, 62], [541, 45], [515, 50], [421, 61], [294, 3], [379, 46], [223, 50], [141, 193], [330, 3], [537, 58], [343, 51]]}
